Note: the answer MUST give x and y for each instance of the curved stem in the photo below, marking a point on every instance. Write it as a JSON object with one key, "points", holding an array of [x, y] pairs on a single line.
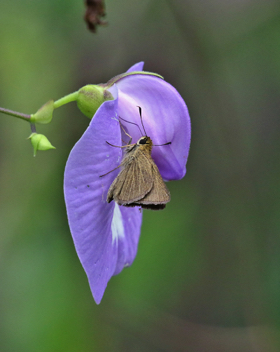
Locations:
{"points": [[115, 79], [15, 114], [67, 99]]}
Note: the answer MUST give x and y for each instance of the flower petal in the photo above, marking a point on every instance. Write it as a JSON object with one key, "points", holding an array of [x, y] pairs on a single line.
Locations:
{"points": [[136, 67], [105, 236], [165, 118]]}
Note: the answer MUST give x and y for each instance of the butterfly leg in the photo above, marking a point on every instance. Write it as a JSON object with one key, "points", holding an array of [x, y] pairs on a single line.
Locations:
{"points": [[126, 133], [111, 171]]}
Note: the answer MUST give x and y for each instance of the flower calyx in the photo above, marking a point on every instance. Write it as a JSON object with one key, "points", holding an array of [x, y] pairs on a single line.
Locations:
{"points": [[90, 97], [44, 114]]}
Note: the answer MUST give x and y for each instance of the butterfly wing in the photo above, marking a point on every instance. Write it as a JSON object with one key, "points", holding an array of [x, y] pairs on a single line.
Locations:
{"points": [[159, 194], [133, 182]]}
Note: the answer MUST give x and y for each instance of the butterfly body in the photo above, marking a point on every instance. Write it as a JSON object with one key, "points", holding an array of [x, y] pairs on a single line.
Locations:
{"points": [[139, 183]]}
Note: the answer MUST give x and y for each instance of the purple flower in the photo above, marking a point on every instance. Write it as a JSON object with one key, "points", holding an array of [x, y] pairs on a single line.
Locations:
{"points": [[106, 235]]}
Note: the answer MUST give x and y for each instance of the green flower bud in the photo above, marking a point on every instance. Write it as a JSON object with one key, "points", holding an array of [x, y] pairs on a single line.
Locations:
{"points": [[40, 142], [44, 114], [90, 97]]}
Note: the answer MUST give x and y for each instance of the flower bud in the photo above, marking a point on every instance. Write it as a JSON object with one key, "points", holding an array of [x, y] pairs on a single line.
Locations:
{"points": [[44, 114], [90, 97], [40, 142]]}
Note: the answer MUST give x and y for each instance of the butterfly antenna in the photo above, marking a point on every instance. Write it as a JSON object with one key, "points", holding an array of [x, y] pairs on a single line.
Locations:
{"points": [[120, 146], [159, 145], [132, 124], [140, 113]]}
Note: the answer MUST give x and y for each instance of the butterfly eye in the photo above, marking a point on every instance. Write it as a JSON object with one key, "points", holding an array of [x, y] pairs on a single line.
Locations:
{"points": [[143, 141]]}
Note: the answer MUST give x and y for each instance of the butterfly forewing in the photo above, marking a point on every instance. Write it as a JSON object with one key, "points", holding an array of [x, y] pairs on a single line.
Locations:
{"points": [[132, 183]]}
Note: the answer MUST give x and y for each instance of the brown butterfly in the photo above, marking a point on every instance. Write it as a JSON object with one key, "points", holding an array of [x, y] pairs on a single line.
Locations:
{"points": [[139, 183]]}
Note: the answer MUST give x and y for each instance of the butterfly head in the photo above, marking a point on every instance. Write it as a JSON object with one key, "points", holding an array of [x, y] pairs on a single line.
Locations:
{"points": [[145, 143]]}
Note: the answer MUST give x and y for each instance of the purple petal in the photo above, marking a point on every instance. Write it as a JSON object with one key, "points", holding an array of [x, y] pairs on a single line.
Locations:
{"points": [[165, 118], [105, 235], [127, 246], [137, 67]]}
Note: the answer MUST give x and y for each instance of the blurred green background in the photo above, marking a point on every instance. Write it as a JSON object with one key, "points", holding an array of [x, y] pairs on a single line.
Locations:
{"points": [[207, 273]]}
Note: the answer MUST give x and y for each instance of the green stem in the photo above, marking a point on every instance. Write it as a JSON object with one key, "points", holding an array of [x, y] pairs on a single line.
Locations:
{"points": [[33, 128], [67, 99], [15, 114]]}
